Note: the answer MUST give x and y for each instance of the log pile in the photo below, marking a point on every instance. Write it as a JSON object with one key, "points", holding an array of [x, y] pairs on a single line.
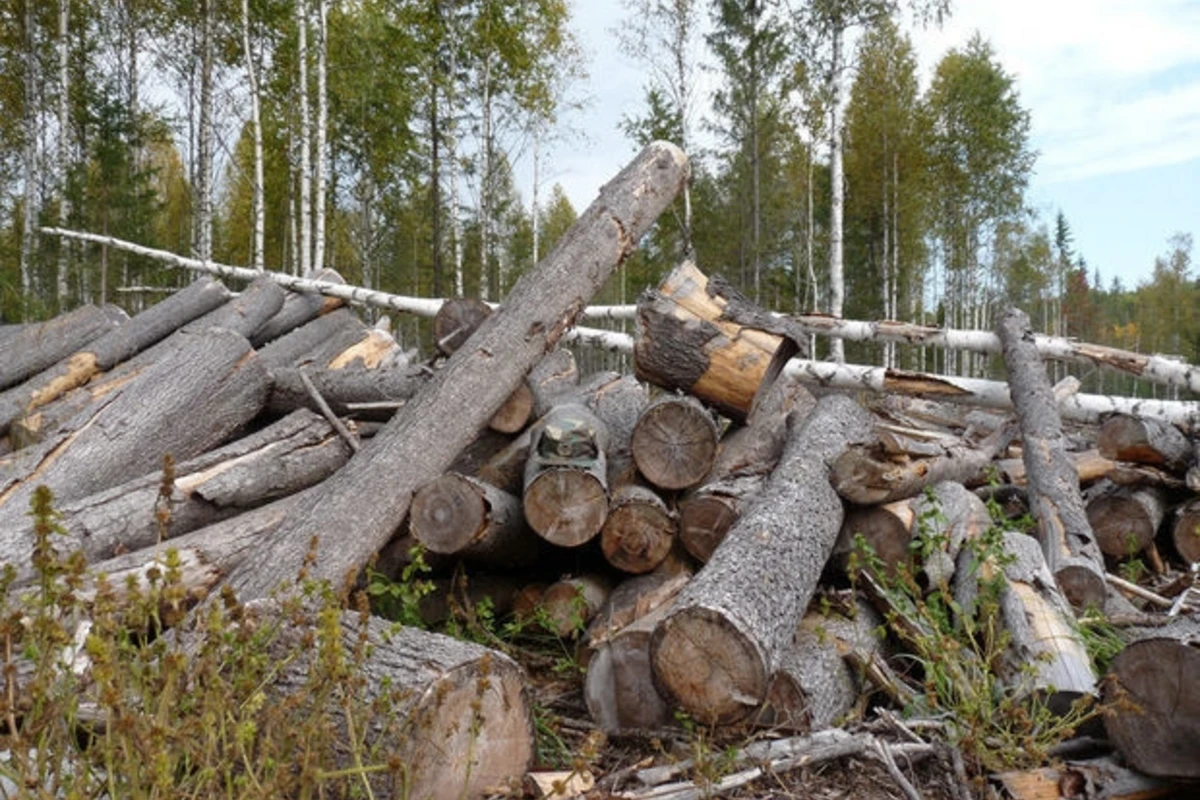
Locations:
{"points": [[686, 526]]}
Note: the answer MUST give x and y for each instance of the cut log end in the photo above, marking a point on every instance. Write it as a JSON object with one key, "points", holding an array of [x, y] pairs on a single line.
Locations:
{"points": [[675, 443], [566, 506], [639, 531], [1081, 583], [708, 666], [1186, 532], [703, 522], [456, 320], [447, 514]]}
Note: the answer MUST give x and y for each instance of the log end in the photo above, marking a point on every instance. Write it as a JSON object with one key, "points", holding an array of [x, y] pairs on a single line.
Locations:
{"points": [[704, 519], [566, 507], [637, 536], [1081, 583], [675, 444], [447, 514], [706, 665]]}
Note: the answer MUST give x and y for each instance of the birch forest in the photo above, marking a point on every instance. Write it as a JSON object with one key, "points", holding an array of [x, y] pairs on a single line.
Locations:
{"points": [[387, 139]]}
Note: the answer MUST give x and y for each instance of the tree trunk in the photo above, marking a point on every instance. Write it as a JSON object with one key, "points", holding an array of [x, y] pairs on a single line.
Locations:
{"points": [[639, 531], [213, 381], [204, 167], [39, 346], [304, 143], [64, 150], [1063, 529], [31, 176], [458, 515], [257, 207], [1125, 519], [675, 442], [299, 309], [420, 443], [322, 157], [350, 391], [110, 349], [566, 476], [685, 343], [317, 342], [837, 201], [732, 624], [1144, 441]]}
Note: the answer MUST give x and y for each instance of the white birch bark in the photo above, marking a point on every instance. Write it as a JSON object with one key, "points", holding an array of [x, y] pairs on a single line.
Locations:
{"points": [[304, 143], [537, 157], [64, 202], [837, 281], [318, 261], [28, 240], [205, 165], [451, 127], [485, 188], [258, 222]]}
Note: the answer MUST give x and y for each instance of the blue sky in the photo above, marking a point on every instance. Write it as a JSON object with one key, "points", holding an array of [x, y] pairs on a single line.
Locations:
{"points": [[1113, 87]]}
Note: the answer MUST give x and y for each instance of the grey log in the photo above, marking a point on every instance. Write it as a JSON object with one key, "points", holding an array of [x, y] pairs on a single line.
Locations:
{"points": [[40, 346]]}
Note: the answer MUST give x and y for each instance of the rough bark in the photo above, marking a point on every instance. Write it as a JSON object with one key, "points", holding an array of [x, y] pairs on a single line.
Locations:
{"points": [[732, 624], [551, 379], [40, 346], [349, 391], [420, 443], [288, 456], [675, 442], [213, 381], [316, 342], [1063, 529], [1153, 709], [1125, 519], [566, 476], [618, 401], [685, 343], [456, 320], [112, 348], [457, 514], [639, 531], [957, 516], [1144, 441], [1186, 531]]}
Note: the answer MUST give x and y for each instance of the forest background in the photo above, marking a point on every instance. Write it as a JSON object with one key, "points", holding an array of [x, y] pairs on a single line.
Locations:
{"points": [[380, 138]]}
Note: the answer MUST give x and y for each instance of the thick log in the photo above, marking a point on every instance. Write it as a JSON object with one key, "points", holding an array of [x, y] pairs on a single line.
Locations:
{"points": [[707, 514], [552, 379], [619, 686], [456, 320], [639, 531], [885, 529], [675, 442], [1125, 519], [422, 441], [288, 456], [458, 515], [247, 312], [1185, 533], [566, 484], [40, 346], [958, 516], [618, 401], [213, 381], [685, 343], [1063, 529], [315, 343], [298, 310], [346, 389], [112, 348], [1144, 441], [506, 468], [458, 598], [569, 605], [1153, 710], [732, 624], [814, 686]]}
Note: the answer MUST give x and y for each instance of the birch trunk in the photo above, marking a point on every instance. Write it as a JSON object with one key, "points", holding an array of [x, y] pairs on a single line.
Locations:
{"points": [[64, 203], [305, 139], [28, 240], [488, 285], [318, 259], [258, 223], [205, 167], [837, 288], [455, 223]]}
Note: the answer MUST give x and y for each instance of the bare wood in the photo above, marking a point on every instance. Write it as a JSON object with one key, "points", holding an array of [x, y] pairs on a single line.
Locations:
{"points": [[639, 531], [418, 444], [1144, 441], [715, 652], [102, 354], [1185, 533], [456, 320], [675, 442], [1125, 519], [40, 346], [886, 529], [459, 515], [566, 484], [684, 342], [1118, 782], [298, 309], [515, 413], [707, 514], [1063, 529], [571, 603]]}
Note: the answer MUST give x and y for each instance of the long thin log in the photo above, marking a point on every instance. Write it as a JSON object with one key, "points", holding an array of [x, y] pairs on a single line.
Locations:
{"points": [[445, 415], [1063, 529], [42, 345]]}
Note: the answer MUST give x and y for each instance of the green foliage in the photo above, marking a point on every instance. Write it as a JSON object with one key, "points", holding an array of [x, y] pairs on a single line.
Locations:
{"points": [[400, 600]]}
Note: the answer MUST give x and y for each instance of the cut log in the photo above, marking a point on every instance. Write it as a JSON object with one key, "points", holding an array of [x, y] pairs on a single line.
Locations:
{"points": [[459, 515], [570, 604], [459, 598], [957, 516], [288, 456], [213, 381], [706, 515], [566, 483], [733, 622], [1063, 529], [685, 343], [1125, 519], [315, 343], [1186, 531], [639, 531], [886, 530], [377, 349], [515, 413], [346, 389], [112, 348], [506, 468], [422, 441], [456, 320], [619, 686], [675, 442], [618, 401], [1144, 441], [37, 347], [299, 309], [814, 686], [1114, 781], [247, 312], [552, 379], [1153, 710]]}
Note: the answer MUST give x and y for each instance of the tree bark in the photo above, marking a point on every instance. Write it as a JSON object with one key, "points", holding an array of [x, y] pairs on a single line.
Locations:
{"points": [[316, 342], [1125, 519], [257, 209], [110, 349], [213, 381], [1063, 529], [732, 624], [299, 308], [304, 143], [40, 346], [458, 515], [322, 157], [346, 387], [1144, 441], [675, 442], [456, 320], [639, 531], [685, 343], [418, 444], [566, 476]]}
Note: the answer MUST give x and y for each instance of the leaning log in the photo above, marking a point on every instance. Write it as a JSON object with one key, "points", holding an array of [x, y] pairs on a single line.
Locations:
{"points": [[459, 515], [732, 624], [422, 441], [674, 443], [213, 383], [112, 348], [42, 345], [1063, 529]]}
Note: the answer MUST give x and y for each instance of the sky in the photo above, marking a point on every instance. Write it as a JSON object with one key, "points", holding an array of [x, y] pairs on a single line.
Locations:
{"points": [[1112, 86]]}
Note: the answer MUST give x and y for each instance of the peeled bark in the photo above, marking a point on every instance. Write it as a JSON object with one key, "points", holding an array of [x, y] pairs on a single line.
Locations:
{"points": [[422, 441], [1063, 529], [639, 531], [459, 515], [732, 624], [1125, 519], [1144, 441], [40, 346], [566, 476], [675, 442]]}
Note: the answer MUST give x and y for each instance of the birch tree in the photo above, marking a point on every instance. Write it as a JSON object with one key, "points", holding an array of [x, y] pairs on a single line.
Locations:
{"points": [[258, 209], [31, 172], [64, 159], [303, 142], [322, 155]]}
